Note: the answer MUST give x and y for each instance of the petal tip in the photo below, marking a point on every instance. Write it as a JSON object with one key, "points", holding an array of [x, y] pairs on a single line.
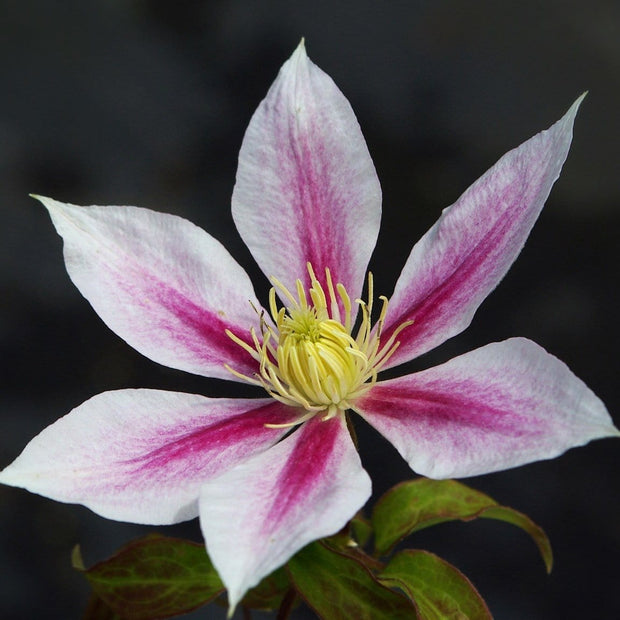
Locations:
{"points": [[49, 203], [571, 113], [41, 199], [298, 61], [12, 476], [4, 478], [299, 55], [579, 99]]}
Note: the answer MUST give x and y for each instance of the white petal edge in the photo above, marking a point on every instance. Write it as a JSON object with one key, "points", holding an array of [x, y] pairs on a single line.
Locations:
{"points": [[142, 455], [257, 515], [466, 253], [164, 285], [306, 189], [500, 406]]}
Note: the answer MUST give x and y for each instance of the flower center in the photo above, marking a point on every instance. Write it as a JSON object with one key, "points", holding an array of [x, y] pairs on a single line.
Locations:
{"points": [[309, 358], [318, 359]]}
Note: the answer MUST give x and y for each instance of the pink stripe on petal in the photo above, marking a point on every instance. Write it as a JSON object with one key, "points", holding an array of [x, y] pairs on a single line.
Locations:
{"points": [[142, 455], [500, 406], [306, 187], [162, 284], [463, 257], [257, 515]]}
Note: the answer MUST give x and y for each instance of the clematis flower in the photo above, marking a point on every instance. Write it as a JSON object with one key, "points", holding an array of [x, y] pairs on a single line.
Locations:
{"points": [[268, 475]]}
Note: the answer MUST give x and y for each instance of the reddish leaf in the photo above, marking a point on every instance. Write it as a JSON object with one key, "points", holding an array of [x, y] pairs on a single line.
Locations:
{"points": [[338, 586], [269, 593], [438, 589], [154, 577], [417, 504], [98, 610]]}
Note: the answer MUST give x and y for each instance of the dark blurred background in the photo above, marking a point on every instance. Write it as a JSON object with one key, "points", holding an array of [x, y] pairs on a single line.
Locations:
{"points": [[145, 102]]}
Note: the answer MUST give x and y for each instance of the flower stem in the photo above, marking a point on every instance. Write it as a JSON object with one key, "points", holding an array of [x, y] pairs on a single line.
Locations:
{"points": [[287, 605]]}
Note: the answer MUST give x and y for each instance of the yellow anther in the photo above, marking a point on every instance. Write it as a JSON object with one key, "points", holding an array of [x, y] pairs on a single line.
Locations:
{"points": [[310, 359]]}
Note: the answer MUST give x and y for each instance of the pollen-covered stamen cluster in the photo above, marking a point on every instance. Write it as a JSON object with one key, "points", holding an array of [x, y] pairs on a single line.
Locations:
{"points": [[310, 358]]}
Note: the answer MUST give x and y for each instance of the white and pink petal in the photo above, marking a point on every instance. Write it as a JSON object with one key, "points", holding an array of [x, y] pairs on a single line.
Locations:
{"points": [[500, 406], [306, 189], [142, 455], [164, 285], [463, 257], [256, 516]]}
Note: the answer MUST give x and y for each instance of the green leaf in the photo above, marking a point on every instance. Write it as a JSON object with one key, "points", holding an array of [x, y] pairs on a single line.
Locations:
{"points": [[510, 515], [438, 589], [269, 593], [338, 586], [361, 529], [417, 504], [154, 577], [420, 503], [98, 610]]}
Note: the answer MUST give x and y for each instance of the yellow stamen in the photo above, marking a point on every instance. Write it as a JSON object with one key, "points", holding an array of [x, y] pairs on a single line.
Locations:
{"points": [[310, 359]]}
